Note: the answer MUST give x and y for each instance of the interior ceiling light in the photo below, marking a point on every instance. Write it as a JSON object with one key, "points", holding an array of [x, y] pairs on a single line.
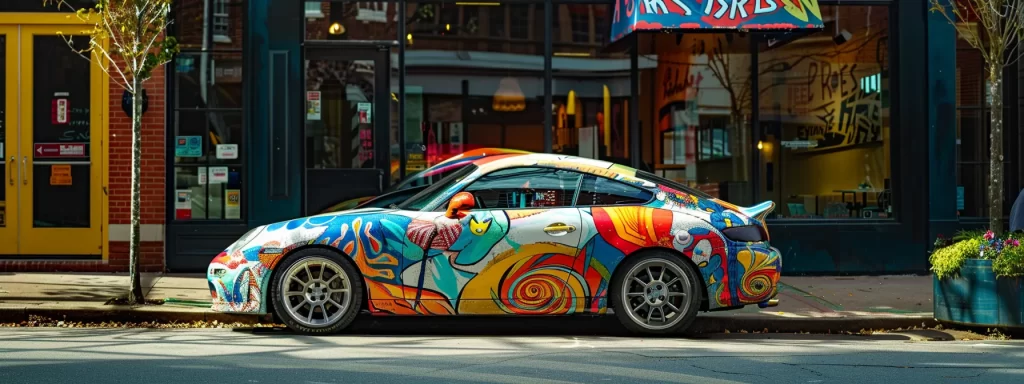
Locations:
{"points": [[336, 29]]}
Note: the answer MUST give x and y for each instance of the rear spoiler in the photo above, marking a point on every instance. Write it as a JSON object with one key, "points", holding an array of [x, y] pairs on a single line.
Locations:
{"points": [[760, 211]]}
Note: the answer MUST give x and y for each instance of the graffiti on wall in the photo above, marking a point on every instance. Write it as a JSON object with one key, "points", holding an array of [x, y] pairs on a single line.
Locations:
{"points": [[498, 261], [822, 99]]}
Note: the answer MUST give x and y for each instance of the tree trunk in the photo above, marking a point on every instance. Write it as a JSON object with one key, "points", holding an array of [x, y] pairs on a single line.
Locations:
{"points": [[738, 147], [995, 186], [135, 295]]}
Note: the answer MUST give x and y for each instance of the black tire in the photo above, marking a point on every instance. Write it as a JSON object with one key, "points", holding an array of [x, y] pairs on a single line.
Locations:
{"points": [[317, 255], [673, 264]]}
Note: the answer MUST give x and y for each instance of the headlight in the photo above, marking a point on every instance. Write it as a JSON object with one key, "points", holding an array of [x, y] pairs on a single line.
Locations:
{"points": [[246, 238]]}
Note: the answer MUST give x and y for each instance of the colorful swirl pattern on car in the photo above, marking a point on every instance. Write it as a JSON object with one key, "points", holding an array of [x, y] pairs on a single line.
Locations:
{"points": [[423, 263]]}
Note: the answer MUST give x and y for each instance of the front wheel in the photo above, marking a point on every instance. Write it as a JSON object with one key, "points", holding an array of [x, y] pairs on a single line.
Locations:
{"points": [[656, 293], [316, 291]]}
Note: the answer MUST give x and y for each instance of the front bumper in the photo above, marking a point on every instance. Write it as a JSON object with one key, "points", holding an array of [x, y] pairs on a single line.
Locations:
{"points": [[236, 285]]}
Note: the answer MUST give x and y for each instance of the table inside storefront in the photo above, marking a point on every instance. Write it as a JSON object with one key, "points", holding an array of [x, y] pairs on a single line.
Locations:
{"points": [[855, 206]]}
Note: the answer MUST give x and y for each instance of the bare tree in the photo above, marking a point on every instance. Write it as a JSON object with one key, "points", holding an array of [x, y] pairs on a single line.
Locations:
{"points": [[724, 67], [1002, 27], [127, 40]]}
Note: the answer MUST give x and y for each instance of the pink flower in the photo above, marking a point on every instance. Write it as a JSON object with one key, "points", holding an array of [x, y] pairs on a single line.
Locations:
{"points": [[989, 235], [1013, 242]]}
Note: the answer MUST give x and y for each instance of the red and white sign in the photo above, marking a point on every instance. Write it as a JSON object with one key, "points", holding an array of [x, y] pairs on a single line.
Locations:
{"points": [[60, 150], [60, 111], [227, 151]]}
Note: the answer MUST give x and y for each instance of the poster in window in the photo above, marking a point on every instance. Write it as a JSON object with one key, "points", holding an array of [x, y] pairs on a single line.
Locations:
{"points": [[232, 204], [313, 105], [183, 204]]}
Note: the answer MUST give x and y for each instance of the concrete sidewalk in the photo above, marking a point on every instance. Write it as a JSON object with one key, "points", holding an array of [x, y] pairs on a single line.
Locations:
{"points": [[807, 304]]}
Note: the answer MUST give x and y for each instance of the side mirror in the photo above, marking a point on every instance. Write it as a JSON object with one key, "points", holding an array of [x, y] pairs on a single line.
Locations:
{"points": [[459, 204]]}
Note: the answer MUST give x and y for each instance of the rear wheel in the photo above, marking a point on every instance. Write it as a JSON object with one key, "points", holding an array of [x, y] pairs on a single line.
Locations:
{"points": [[316, 291], [656, 293]]}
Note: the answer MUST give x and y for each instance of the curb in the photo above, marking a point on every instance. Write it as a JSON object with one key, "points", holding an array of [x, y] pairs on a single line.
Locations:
{"points": [[115, 314], [711, 324], [529, 325]]}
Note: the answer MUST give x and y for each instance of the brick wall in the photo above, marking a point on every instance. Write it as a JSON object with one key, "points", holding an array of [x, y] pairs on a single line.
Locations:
{"points": [[153, 171]]}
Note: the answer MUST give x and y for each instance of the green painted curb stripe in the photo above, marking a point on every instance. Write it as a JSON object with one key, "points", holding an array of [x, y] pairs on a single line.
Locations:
{"points": [[188, 303], [829, 304]]}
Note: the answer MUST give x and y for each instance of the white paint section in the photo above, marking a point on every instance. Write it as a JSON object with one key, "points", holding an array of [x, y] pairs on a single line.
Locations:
{"points": [[150, 232]]}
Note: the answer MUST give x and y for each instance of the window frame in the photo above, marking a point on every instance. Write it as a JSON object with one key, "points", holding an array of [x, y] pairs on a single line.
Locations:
{"points": [[650, 199], [175, 109], [575, 195], [439, 207]]}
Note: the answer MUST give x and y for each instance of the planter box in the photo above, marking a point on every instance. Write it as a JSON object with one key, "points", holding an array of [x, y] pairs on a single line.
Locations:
{"points": [[977, 297]]}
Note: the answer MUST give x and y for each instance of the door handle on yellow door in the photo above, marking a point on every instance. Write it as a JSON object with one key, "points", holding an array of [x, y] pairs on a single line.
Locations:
{"points": [[24, 170], [10, 170], [559, 229]]}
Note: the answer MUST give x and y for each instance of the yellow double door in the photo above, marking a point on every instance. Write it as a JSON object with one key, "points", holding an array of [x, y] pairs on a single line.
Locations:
{"points": [[51, 126]]}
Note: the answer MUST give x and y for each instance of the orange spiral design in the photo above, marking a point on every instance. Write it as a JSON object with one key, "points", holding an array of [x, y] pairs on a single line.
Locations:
{"points": [[538, 288]]}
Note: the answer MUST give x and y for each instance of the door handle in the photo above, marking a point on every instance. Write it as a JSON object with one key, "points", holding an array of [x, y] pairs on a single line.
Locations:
{"points": [[559, 229], [10, 170], [24, 170]]}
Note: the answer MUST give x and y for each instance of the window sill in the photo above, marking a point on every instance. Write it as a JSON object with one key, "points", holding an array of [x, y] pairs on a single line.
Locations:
{"points": [[221, 39]]}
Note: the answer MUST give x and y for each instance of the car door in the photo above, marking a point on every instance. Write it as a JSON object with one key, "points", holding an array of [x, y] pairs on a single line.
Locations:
{"points": [[513, 252], [616, 222]]}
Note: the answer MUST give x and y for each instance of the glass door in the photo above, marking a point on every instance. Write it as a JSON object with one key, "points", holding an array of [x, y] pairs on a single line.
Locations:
{"points": [[53, 175], [9, 139], [347, 125]]}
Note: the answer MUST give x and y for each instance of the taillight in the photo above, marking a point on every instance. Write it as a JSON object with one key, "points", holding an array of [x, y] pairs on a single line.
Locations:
{"points": [[746, 233]]}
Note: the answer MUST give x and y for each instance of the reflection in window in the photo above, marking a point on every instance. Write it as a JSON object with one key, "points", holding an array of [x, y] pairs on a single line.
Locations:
{"points": [[702, 111], [824, 111], [474, 79], [597, 191], [973, 121], [525, 188], [591, 87], [221, 21]]}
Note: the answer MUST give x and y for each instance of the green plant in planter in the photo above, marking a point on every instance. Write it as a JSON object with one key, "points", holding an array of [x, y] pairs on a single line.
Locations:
{"points": [[1007, 254], [1010, 262], [947, 260]]}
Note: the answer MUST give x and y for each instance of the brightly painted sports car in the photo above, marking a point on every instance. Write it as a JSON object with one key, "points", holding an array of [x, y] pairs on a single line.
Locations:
{"points": [[536, 234], [424, 178]]}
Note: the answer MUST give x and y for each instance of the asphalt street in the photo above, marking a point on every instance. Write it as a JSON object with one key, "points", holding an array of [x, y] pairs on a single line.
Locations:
{"points": [[96, 355]]}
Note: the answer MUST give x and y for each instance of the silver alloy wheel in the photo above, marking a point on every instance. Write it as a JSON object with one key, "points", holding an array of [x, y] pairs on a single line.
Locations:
{"points": [[317, 292], [655, 292]]}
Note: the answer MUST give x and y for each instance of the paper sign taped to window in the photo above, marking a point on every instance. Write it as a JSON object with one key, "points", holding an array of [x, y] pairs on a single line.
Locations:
{"points": [[218, 175], [313, 105], [60, 174]]}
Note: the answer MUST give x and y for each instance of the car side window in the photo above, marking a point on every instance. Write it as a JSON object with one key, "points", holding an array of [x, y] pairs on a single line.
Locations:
{"points": [[526, 187], [598, 191]]}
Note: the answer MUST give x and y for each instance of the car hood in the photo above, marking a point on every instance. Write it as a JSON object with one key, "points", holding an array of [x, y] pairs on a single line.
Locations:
{"points": [[286, 234]]}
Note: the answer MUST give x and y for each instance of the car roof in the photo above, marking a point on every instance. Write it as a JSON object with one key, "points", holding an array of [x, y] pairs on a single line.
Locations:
{"points": [[481, 152]]}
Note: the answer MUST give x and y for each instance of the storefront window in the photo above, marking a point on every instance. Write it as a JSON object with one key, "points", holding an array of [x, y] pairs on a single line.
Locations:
{"points": [[474, 79], [344, 84], [590, 86], [208, 138], [973, 123], [701, 112], [825, 118]]}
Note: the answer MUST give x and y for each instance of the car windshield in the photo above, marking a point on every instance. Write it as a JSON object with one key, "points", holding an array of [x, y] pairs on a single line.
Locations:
{"points": [[425, 197]]}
